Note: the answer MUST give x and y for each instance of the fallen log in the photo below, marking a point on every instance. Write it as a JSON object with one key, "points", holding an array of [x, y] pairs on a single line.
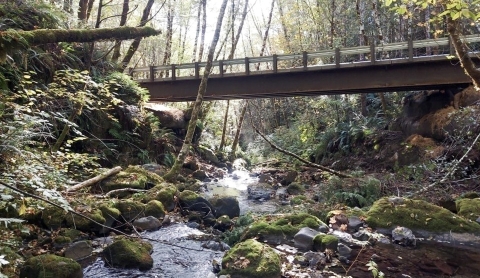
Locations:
{"points": [[94, 179]]}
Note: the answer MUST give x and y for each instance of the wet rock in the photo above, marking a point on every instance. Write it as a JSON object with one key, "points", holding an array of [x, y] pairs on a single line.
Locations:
{"points": [[404, 236], [315, 259], [225, 205], [78, 250], [191, 201], [287, 249], [344, 252], [200, 175], [265, 178], [208, 154], [129, 253], [193, 225], [260, 191], [321, 242], [148, 223], [348, 239], [251, 259], [303, 240], [191, 163], [166, 195], [216, 245], [223, 223], [288, 177], [110, 214], [49, 265], [354, 224]]}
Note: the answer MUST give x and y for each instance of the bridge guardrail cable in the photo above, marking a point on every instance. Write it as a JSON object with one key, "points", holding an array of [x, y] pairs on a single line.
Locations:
{"points": [[329, 57]]}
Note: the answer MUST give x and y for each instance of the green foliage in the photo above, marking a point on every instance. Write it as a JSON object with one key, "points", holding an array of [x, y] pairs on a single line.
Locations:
{"points": [[234, 236], [125, 89], [454, 9], [367, 191], [373, 267]]}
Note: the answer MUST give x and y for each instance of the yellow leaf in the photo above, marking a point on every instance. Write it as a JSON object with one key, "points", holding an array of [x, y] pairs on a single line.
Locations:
{"points": [[22, 209]]}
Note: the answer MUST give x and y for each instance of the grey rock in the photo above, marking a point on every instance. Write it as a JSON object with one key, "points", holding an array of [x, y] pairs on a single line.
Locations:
{"points": [[288, 177], [147, 223], [260, 191], [303, 240], [344, 251], [478, 220], [323, 228], [287, 249], [354, 224], [404, 236], [225, 205], [265, 178], [200, 175], [79, 250], [193, 225], [216, 245], [315, 259]]}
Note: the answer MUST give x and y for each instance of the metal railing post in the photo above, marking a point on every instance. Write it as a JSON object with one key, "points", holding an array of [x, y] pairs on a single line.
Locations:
{"points": [[247, 66], [197, 70], [373, 57], [152, 73], [337, 57], [220, 67], [410, 49], [174, 75], [275, 63], [304, 60]]}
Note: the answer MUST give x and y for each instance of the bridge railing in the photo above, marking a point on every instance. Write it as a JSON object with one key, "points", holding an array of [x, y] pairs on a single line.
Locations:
{"points": [[399, 52]]}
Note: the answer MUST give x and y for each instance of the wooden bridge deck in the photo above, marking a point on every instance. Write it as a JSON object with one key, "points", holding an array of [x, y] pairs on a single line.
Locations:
{"points": [[412, 65]]}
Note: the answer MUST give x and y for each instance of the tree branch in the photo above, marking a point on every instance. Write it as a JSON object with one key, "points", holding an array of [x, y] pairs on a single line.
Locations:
{"points": [[94, 179]]}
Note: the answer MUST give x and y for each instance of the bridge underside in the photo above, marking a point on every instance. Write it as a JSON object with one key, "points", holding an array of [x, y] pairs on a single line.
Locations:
{"points": [[391, 77]]}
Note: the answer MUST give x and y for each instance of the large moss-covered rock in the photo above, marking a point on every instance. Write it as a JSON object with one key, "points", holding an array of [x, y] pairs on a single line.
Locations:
{"points": [[53, 217], [280, 229], [49, 265], [323, 241], [295, 188], [155, 208], [166, 195], [84, 224], [129, 253], [111, 214], [133, 177], [130, 210], [251, 259], [469, 208], [417, 215], [225, 205], [193, 202]]}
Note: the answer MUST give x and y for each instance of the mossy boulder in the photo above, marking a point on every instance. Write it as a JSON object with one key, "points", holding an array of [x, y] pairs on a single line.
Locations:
{"points": [[49, 265], [111, 214], [129, 253], [323, 241], [133, 177], [295, 188], [193, 202], [251, 259], [280, 229], [417, 215], [53, 217], [298, 200], [225, 205], [130, 210], [84, 224], [166, 195], [155, 208], [73, 234], [468, 208]]}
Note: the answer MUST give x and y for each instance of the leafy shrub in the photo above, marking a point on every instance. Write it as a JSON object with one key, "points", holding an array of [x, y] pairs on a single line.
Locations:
{"points": [[233, 236]]}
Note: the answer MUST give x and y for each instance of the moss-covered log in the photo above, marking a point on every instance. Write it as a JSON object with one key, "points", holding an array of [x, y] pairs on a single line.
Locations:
{"points": [[14, 39]]}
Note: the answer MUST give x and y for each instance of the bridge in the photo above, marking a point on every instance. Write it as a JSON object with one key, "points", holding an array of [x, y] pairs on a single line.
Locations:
{"points": [[403, 66]]}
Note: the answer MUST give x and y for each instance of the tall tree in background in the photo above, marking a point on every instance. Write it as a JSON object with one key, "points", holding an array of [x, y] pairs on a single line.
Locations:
{"points": [[172, 174], [123, 21]]}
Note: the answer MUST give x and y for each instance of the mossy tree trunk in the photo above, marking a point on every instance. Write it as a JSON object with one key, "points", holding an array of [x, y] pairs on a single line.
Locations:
{"points": [[239, 129], [172, 174], [224, 131]]}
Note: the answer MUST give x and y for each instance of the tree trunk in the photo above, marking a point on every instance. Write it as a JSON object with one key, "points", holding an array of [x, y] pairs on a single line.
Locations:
{"points": [[123, 21], [204, 28], [265, 36], [172, 174], [239, 130], [197, 33], [224, 131], [462, 53], [168, 37], [136, 42], [284, 26]]}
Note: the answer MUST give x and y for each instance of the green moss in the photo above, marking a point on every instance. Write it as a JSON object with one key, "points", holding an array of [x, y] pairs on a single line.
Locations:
{"points": [[130, 210], [84, 224], [323, 241], [295, 188], [166, 195], [251, 259], [133, 177], [188, 196], [53, 217], [151, 177], [287, 225], [109, 212], [298, 200], [62, 240], [417, 214], [155, 208], [468, 208], [71, 233], [49, 265], [470, 195], [129, 253]]}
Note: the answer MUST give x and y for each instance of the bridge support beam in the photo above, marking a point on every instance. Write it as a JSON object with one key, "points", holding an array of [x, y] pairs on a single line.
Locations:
{"points": [[384, 76]]}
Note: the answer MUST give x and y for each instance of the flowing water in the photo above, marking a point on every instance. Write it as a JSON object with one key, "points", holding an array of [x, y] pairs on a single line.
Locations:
{"points": [[171, 260]]}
